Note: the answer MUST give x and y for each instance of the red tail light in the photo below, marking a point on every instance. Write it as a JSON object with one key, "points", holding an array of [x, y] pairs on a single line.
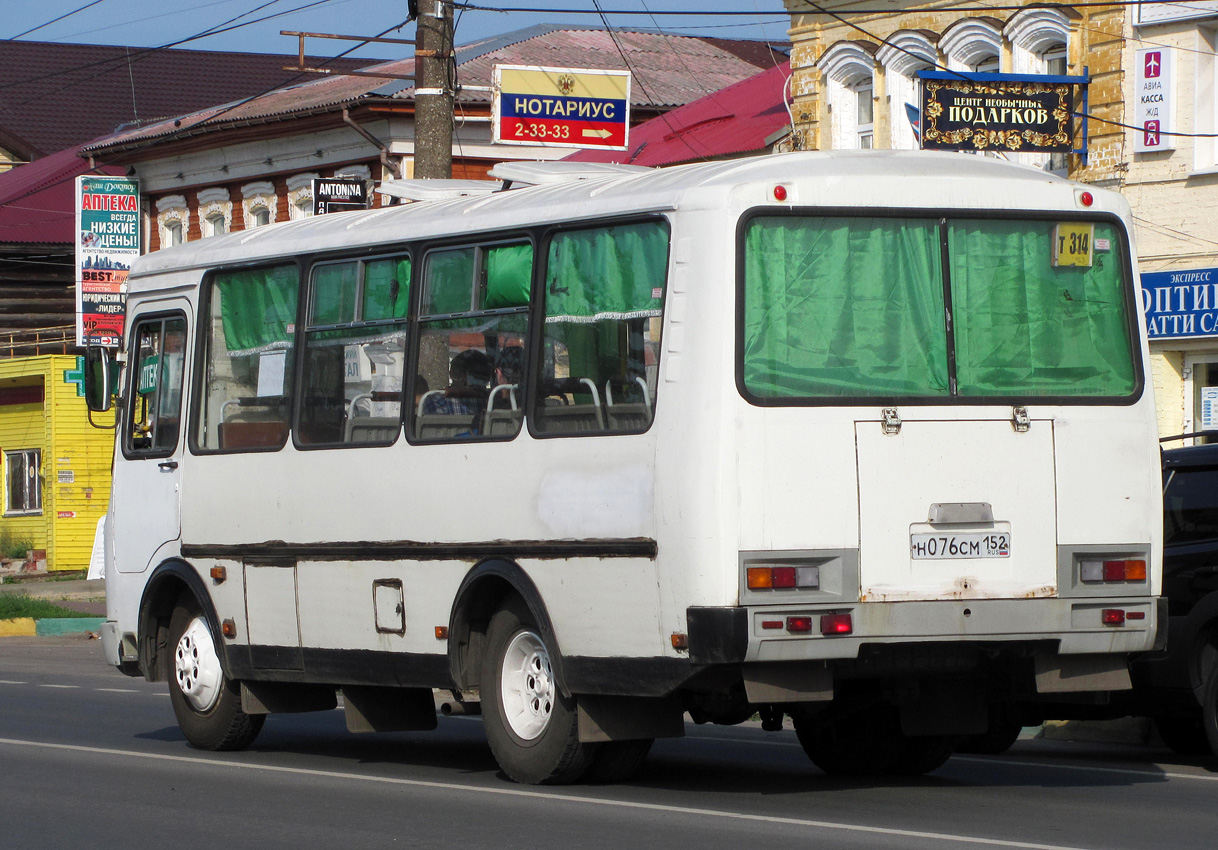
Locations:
{"points": [[1113, 617], [836, 624]]}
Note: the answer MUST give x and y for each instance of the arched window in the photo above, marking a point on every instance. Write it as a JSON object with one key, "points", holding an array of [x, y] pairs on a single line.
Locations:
{"points": [[848, 68], [905, 53], [215, 211], [258, 203], [973, 44], [1039, 40], [300, 195], [172, 220]]}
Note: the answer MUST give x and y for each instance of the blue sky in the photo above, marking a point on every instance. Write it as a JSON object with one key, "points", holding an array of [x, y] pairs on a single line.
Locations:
{"points": [[139, 23]]}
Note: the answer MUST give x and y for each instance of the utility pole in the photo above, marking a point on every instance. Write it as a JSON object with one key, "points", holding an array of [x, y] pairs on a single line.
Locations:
{"points": [[433, 109]]}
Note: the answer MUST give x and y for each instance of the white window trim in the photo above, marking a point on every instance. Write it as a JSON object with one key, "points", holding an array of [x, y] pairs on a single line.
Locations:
{"points": [[906, 53], [255, 196], [1205, 103], [215, 202], [9, 510], [846, 66], [300, 195], [970, 43], [169, 210], [1033, 33]]}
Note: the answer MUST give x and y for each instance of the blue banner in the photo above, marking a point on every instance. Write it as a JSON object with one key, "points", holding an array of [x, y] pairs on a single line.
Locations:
{"points": [[1180, 304]]}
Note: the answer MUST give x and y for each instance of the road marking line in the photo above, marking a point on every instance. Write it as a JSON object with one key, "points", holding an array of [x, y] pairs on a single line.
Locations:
{"points": [[62, 687], [552, 797], [117, 690], [11, 682]]}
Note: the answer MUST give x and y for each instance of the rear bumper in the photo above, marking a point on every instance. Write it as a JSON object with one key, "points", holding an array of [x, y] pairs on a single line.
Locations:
{"points": [[749, 634]]}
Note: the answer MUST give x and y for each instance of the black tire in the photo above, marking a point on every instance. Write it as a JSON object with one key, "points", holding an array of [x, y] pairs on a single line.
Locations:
{"points": [[862, 743], [922, 754], [618, 761], [1183, 734], [210, 718], [535, 739], [1209, 703], [997, 739]]}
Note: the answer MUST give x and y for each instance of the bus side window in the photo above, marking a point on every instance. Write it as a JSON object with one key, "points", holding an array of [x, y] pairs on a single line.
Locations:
{"points": [[355, 346], [473, 325], [244, 391], [604, 295], [154, 406]]}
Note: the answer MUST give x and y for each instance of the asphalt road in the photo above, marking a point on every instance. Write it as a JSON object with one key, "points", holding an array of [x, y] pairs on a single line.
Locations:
{"points": [[92, 759]]}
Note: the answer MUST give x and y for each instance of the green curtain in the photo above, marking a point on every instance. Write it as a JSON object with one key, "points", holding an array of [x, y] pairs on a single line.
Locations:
{"points": [[843, 307], [1023, 326], [333, 294], [509, 276], [607, 273], [257, 306], [386, 289], [450, 282]]}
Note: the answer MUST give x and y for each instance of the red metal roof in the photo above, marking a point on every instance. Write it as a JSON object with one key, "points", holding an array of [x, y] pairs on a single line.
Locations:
{"points": [[37, 206], [668, 71], [734, 121]]}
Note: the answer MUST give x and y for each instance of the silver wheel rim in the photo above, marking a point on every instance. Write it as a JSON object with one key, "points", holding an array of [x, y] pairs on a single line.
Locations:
{"points": [[196, 667], [526, 686]]}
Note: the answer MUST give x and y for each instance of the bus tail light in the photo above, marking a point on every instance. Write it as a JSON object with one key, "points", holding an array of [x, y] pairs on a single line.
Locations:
{"points": [[1113, 617], [783, 578], [1112, 570], [799, 624], [836, 624]]}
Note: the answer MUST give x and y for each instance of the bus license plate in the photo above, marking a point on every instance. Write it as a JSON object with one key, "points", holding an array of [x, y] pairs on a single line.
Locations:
{"points": [[977, 544]]}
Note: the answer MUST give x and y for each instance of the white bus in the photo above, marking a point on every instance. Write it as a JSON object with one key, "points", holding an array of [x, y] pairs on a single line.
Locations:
{"points": [[864, 440]]}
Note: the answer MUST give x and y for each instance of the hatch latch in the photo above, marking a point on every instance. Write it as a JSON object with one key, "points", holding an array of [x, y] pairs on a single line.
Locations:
{"points": [[1019, 419], [892, 421]]}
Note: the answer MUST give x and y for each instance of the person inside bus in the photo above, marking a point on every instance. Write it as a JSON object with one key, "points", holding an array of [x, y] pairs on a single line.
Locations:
{"points": [[470, 375], [509, 367]]}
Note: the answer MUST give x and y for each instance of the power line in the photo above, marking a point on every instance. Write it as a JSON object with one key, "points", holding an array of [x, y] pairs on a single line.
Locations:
{"points": [[738, 13], [54, 20]]}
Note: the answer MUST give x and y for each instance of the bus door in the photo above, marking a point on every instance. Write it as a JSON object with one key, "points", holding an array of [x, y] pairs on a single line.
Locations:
{"points": [[962, 509], [144, 513]]}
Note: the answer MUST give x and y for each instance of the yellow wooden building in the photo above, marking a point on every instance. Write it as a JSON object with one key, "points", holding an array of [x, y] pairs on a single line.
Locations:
{"points": [[56, 465]]}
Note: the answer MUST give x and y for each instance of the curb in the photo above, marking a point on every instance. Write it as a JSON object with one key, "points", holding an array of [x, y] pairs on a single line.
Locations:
{"points": [[29, 627]]}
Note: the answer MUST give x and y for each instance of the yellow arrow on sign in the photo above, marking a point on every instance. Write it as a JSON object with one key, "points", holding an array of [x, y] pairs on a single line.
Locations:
{"points": [[596, 134]]}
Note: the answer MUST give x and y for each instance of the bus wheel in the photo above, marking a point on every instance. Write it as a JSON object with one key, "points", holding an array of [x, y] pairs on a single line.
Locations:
{"points": [[530, 725], [862, 743], [206, 702], [922, 754]]}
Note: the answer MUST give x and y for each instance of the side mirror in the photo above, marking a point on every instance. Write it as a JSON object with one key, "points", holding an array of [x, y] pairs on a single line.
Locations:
{"points": [[100, 379]]}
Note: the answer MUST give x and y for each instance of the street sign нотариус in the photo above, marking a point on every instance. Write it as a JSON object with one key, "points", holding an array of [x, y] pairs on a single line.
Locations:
{"points": [[561, 107]]}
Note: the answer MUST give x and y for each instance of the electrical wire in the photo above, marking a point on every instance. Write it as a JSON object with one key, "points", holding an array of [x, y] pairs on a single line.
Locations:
{"points": [[737, 13], [54, 20]]}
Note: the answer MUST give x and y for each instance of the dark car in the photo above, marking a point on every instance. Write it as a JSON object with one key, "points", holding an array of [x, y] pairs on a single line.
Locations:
{"points": [[1179, 689]]}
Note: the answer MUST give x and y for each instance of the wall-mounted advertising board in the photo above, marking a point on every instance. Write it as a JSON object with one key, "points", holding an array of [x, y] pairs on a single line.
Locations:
{"points": [[1003, 112], [107, 243]]}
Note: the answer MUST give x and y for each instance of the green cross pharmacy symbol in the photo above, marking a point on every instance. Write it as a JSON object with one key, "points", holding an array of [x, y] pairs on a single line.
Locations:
{"points": [[76, 376]]}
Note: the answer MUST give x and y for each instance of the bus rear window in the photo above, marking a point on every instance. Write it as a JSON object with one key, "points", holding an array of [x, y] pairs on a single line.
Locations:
{"points": [[861, 307]]}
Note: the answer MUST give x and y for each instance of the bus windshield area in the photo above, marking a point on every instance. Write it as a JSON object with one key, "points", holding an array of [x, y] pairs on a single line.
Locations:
{"points": [[929, 308]]}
